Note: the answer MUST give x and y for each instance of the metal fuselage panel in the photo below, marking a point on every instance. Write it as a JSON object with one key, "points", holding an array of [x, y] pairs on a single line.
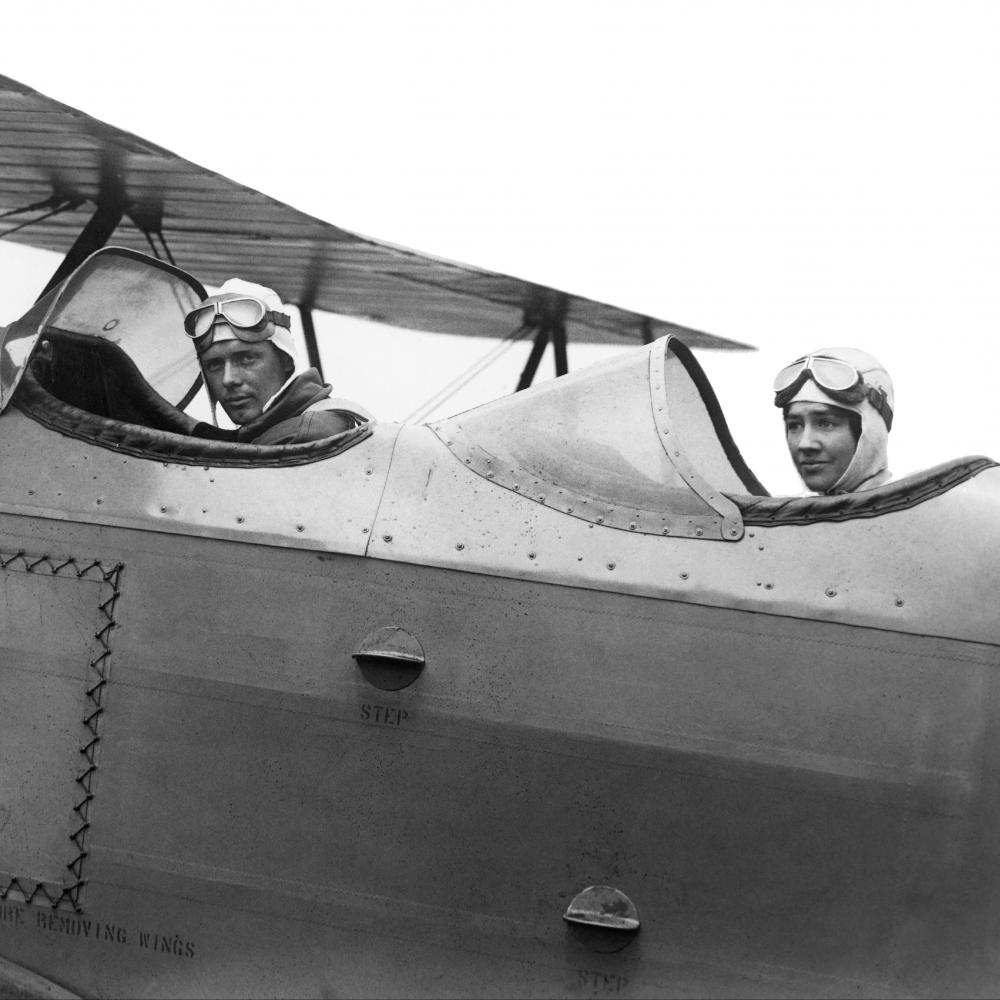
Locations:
{"points": [[794, 807], [328, 505], [928, 570]]}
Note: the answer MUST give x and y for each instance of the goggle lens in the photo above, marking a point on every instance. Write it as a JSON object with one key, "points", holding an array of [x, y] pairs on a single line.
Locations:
{"points": [[243, 313], [829, 373], [247, 317]]}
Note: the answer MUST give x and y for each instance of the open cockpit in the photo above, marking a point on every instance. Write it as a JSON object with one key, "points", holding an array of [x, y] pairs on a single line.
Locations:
{"points": [[639, 444], [104, 358]]}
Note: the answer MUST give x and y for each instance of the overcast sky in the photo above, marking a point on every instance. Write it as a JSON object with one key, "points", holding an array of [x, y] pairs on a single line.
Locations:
{"points": [[788, 174]]}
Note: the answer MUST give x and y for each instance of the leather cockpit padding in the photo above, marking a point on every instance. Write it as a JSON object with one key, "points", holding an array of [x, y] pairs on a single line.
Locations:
{"points": [[168, 446], [888, 499], [100, 378]]}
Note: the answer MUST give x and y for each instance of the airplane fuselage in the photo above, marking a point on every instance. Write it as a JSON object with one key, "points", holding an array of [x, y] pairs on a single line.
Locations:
{"points": [[782, 749]]}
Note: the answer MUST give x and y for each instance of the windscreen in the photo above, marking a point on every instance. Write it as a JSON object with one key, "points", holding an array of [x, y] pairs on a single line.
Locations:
{"points": [[138, 303], [609, 445]]}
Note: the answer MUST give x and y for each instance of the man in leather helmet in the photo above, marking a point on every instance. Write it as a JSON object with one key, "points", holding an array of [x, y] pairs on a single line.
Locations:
{"points": [[252, 370]]}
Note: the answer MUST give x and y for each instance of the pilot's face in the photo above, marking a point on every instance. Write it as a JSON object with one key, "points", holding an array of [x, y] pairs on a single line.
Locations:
{"points": [[243, 377], [821, 441]]}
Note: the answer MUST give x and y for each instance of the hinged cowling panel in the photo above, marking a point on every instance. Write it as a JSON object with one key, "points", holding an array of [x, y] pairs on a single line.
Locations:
{"points": [[56, 620]]}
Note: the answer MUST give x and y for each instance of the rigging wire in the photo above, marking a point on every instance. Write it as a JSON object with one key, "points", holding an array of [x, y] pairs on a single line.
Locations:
{"points": [[460, 381], [44, 203], [60, 205]]}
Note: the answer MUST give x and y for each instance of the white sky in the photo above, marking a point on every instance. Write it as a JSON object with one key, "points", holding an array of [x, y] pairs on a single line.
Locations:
{"points": [[788, 173]]}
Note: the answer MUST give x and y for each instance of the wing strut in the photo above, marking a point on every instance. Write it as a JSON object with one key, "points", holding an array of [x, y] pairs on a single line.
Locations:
{"points": [[309, 333], [95, 234], [545, 313]]}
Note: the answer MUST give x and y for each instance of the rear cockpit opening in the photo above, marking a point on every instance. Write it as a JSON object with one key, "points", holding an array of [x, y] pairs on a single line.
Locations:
{"points": [[104, 358]]}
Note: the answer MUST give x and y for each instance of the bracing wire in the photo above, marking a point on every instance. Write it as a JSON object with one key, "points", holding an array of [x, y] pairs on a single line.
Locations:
{"points": [[60, 205], [460, 381]]}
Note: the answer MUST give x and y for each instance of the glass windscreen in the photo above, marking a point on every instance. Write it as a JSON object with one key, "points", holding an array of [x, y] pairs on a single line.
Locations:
{"points": [[138, 303], [608, 445]]}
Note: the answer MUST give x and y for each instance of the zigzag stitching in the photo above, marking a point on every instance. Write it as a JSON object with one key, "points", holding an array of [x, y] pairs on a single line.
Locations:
{"points": [[109, 577]]}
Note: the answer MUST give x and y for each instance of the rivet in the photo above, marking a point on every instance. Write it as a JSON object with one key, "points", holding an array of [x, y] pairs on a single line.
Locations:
{"points": [[699, 532], [531, 555], [631, 526], [460, 546], [760, 548], [300, 527], [517, 486], [387, 538], [204, 510], [611, 565], [830, 592], [364, 531], [99, 500], [368, 472], [899, 602], [541, 499], [31, 493], [239, 520], [769, 586], [569, 510], [600, 520], [684, 576], [752, 534], [163, 510], [489, 475], [468, 461], [666, 530]]}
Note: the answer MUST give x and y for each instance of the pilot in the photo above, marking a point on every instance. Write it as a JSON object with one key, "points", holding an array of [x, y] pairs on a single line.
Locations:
{"points": [[837, 404], [252, 368]]}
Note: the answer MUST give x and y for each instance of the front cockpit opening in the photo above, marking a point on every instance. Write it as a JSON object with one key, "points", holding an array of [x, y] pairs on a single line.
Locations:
{"points": [[641, 444]]}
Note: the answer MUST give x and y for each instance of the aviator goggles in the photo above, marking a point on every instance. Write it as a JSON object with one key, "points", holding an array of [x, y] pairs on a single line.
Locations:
{"points": [[841, 381], [248, 317]]}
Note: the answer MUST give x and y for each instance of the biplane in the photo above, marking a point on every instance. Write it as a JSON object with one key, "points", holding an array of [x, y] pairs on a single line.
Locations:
{"points": [[546, 698]]}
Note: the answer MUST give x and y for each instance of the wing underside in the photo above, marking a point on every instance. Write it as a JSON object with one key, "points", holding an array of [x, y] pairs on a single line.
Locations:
{"points": [[62, 171]]}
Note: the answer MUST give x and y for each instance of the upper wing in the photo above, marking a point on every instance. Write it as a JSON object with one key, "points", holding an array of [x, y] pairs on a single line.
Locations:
{"points": [[58, 165]]}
